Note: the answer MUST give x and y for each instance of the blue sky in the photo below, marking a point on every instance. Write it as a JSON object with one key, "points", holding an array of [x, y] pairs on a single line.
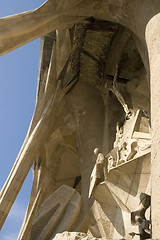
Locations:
{"points": [[18, 83]]}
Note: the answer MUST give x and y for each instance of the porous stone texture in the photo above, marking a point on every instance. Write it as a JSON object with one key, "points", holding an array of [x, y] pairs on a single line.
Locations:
{"points": [[74, 236]]}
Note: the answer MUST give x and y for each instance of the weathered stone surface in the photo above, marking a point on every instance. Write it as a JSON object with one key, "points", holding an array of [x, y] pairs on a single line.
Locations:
{"points": [[94, 88], [57, 213], [74, 236]]}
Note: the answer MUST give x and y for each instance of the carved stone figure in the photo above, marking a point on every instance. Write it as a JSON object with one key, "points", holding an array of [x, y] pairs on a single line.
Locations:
{"points": [[131, 142], [138, 217], [99, 63], [99, 171]]}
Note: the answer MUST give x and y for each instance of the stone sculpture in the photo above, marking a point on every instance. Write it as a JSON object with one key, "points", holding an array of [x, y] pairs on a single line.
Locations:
{"points": [[99, 171], [138, 217], [131, 142], [84, 101]]}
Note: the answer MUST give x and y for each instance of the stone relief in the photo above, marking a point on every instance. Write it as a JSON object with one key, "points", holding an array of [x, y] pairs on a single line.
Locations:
{"points": [[90, 136], [131, 142]]}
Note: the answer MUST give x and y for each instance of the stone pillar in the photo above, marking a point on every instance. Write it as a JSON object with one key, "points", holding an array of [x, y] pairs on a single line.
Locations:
{"points": [[153, 44]]}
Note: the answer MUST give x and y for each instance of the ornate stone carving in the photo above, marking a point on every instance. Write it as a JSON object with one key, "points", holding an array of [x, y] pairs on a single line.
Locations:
{"points": [[80, 99], [131, 142]]}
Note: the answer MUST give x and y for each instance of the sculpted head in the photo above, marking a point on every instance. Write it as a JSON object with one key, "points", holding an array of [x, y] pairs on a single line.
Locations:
{"points": [[96, 151]]}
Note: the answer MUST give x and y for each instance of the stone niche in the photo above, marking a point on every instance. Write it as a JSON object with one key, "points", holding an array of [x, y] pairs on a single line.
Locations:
{"points": [[101, 193], [90, 137]]}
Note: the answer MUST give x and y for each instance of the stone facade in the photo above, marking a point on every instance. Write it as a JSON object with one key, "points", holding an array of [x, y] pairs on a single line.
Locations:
{"points": [[94, 137]]}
